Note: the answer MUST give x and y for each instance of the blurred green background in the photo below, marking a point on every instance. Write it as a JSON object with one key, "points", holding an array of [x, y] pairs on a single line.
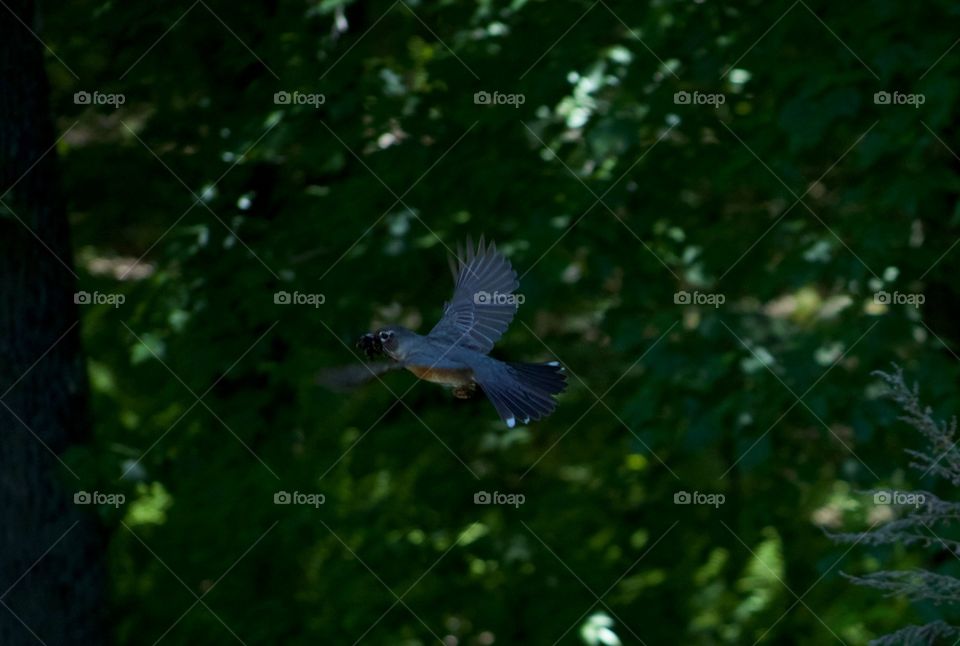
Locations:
{"points": [[633, 152]]}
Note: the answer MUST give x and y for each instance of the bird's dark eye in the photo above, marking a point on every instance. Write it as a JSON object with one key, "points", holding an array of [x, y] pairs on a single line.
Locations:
{"points": [[385, 335]]}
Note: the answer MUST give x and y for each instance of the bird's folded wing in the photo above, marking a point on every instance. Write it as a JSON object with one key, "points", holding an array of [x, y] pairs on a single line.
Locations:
{"points": [[483, 304]]}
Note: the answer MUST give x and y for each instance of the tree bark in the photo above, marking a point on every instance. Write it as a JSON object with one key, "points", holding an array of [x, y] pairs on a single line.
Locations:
{"points": [[51, 552]]}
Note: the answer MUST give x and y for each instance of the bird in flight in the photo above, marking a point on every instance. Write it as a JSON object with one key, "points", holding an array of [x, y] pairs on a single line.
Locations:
{"points": [[455, 352]]}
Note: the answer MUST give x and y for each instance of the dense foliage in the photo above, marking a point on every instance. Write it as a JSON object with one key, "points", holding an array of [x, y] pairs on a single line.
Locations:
{"points": [[708, 206]]}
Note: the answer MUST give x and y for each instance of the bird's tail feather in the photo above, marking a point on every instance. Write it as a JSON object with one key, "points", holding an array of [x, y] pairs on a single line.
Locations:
{"points": [[522, 392]]}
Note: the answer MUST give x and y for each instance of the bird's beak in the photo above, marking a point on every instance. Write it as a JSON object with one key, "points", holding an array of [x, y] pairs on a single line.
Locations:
{"points": [[370, 345]]}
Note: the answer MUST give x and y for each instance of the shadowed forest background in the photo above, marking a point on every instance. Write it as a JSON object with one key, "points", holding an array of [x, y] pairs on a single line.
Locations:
{"points": [[725, 218]]}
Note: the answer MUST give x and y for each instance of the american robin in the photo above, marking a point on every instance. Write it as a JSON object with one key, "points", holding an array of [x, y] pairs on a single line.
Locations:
{"points": [[455, 352]]}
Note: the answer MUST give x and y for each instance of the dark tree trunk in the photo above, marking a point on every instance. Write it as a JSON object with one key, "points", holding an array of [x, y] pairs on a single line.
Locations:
{"points": [[51, 553]]}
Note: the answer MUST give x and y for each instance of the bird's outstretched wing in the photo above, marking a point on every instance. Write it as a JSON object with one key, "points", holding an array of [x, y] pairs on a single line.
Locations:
{"points": [[483, 302], [347, 378]]}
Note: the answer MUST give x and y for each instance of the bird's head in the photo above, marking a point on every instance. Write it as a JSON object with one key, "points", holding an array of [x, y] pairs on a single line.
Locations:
{"points": [[391, 339], [387, 340]]}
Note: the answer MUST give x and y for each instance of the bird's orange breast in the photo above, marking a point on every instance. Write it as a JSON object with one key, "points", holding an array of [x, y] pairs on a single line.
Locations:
{"points": [[445, 376]]}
